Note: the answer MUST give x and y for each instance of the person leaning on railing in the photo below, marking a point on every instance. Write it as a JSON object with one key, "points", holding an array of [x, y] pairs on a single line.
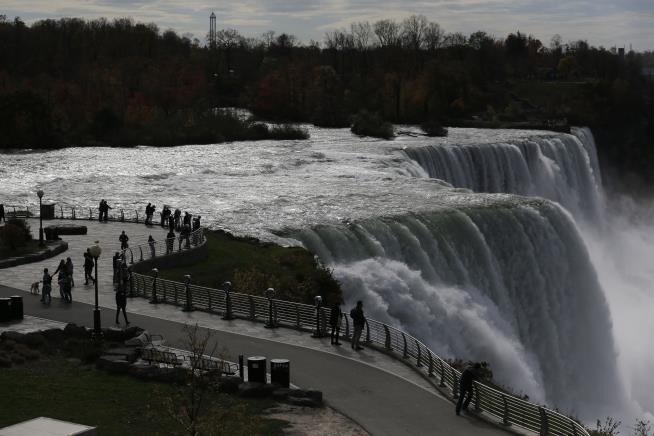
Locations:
{"points": [[170, 241], [359, 322], [468, 377]]}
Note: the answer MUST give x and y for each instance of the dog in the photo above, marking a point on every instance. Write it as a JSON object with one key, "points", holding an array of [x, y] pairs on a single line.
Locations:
{"points": [[35, 288]]}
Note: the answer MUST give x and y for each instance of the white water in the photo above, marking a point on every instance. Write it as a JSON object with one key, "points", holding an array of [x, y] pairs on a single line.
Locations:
{"points": [[486, 276]]}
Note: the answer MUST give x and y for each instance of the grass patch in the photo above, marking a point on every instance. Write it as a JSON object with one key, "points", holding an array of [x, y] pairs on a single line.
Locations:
{"points": [[253, 266], [117, 405]]}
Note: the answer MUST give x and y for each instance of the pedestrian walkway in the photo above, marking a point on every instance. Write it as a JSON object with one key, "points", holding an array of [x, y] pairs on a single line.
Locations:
{"points": [[381, 393]]}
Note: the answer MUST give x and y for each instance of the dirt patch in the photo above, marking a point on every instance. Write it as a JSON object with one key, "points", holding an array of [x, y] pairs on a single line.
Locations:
{"points": [[316, 422]]}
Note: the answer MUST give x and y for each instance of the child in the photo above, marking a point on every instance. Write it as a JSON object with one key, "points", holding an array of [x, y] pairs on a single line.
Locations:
{"points": [[47, 287]]}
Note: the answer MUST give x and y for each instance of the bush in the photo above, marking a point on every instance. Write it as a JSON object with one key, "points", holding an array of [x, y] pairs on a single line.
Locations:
{"points": [[288, 131], [15, 234], [368, 124], [434, 128]]}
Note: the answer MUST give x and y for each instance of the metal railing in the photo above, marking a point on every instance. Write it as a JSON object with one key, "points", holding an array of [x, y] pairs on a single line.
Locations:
{"points": [[506, 409], [154, 249], [67, 212]]}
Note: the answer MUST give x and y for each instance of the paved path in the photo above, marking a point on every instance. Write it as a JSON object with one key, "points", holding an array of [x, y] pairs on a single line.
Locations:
{"points": [[380, 393]]}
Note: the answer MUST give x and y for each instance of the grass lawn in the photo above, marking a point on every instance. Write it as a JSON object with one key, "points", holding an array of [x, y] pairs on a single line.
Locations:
{"points": [[117, 405], [252, 267]]}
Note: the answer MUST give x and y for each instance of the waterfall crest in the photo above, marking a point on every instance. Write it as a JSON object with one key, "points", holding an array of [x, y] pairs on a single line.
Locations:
{"points": [[563, 168]]}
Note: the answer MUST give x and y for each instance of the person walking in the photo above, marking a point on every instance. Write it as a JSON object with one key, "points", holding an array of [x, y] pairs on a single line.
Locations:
{"points": [[47, 287], [88, 267], [69, 271], [123, 238], [177, 216], [151, 243], [359, 322], [170, 241], [121, 302], [2, 213], [335, 323], [116, 265], [469, 375]]}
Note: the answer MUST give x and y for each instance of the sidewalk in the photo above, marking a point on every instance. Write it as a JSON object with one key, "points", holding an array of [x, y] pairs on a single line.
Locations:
{"points": [[381, 393]]}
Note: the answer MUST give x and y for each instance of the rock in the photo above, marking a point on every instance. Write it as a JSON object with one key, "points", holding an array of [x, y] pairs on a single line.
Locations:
{"points": [[138, 341], [113, 364], [5, 362], [255, 390], [54, 336], [131, 332], [129, 354], [114, 335], [75, 331], [13, 336], [303, 402], [229, 384], [281, 393]]}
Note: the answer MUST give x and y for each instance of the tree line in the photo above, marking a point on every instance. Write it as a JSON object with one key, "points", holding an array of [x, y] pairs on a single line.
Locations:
{"points": [[72, 81]]}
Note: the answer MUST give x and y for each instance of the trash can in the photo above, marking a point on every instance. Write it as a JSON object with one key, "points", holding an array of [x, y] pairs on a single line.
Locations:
{"points": [[5, 309], [280, 372], [48, 211], [16, 307], [257, 369]]}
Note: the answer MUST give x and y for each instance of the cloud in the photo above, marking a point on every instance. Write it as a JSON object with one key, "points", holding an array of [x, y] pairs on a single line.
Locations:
{"points": [[601, 22]]}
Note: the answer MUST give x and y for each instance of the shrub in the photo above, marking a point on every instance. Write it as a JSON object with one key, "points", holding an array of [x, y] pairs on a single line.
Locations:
{"points": [[13, 235], [434, 128], [368, 124], [288, 131]]}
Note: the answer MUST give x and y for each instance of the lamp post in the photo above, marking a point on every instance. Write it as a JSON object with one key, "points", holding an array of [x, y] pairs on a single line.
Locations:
{"points": [[188, 307], [227, 287], [95, 251], [40, 194], [318, 303], [155, 274]]}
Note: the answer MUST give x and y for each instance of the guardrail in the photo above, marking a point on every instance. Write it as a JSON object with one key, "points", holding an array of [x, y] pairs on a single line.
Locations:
{"points": [[151, 250], [66, 212], [504, 408]]}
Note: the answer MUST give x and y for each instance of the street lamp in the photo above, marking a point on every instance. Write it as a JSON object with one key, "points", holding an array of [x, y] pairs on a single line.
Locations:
{"points": [[270, 294], [40, 194], [318, 303], [95, 251]]}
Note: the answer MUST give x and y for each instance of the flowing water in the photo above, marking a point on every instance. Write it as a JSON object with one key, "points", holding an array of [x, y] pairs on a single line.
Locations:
{"points": [[429, 233]]}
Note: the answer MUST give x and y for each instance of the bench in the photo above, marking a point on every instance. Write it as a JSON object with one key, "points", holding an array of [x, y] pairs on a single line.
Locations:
{"points": [[158, 356], [208, 364]]}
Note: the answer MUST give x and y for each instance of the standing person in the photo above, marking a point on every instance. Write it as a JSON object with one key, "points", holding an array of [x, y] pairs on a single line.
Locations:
{"points": [[121, 302], [2, 213], [151, 243], [196, 222], [187, 219], [69, 271], [171, 222], [148, 213], [123, 238], [185, 235], [335, 323], [469, 375], [47, 287], [116, 264], [88, 267], [359, 322], [170, 241], [178, 216], [100, 209], [60, 272]]}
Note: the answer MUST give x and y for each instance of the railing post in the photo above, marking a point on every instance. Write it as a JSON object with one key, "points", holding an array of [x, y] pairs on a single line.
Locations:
{"points": [[241, 373], [155, 273], [405, 348], [387, 341], [253, 313], [418, 364], [347, 326], [131, 282], [227, 286], [141, 250], [209, 300], [442, 383], [131, 256], [477, 399], [270, 294], [431, 363], [175, 294], [188, 307], [90, 214], [137, 216], [506, 419], [574, 428], [367, 332], [298, 323], [317, 301], [72, 211], [544, 424]]}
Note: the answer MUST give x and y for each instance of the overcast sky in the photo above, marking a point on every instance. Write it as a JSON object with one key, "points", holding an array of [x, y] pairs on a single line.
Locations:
{"points": [[601, 22]]}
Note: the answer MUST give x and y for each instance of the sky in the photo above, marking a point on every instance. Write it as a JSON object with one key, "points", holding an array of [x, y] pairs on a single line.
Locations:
{"points": [[601, 22]]}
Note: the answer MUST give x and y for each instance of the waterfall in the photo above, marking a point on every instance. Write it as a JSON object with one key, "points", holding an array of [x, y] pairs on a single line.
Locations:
{"points": [[510, 283], [563, 168]]}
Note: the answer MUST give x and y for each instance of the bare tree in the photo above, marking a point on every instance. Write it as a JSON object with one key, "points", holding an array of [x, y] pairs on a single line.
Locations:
{"points": [[361, 35], [339, 39], [413, 31], [433, 36], [268, 38], [455, 39], [228, 38], [387, 32]]}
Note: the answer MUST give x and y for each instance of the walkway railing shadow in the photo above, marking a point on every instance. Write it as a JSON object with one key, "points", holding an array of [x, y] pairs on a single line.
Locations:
{"points": [[490, 403]]}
